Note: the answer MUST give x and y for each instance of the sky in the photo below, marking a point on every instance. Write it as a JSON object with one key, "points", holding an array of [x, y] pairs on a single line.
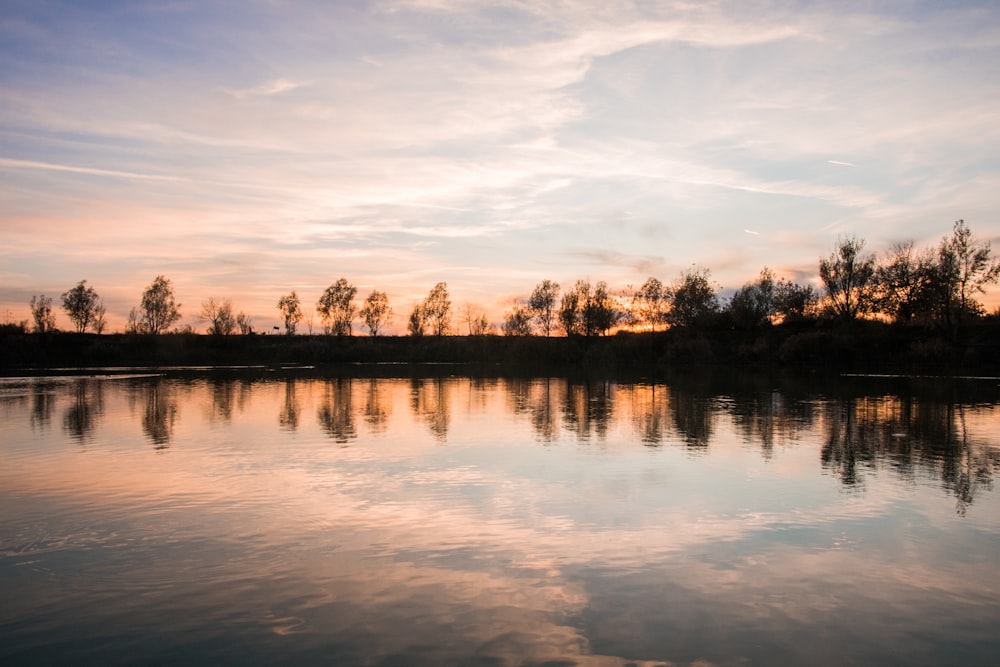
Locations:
{"points": [[248, 148]]}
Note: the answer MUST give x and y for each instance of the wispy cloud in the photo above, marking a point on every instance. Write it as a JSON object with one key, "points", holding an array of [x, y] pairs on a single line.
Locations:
{"points": [[275, 87], [13, 163]]}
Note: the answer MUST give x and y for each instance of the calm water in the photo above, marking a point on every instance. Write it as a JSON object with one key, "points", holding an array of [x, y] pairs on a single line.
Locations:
{"points": [[460, 521]]}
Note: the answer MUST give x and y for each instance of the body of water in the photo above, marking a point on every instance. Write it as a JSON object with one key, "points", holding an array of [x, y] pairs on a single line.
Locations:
{"points": [[151, 519]]}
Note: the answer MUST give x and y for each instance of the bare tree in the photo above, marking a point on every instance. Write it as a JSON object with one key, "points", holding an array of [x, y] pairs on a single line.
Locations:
{"points": [[542, 304], [133, 324], [291, 311], [437, 310], [244, 323], [80, 304], [100, 318], [376, 311], [42, 314], [220, 316], [158, 310], [474, 316], [337, 308]]}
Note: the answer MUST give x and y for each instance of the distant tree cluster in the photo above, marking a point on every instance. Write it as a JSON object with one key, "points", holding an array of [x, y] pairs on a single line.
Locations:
{"points": [[935, 286]]}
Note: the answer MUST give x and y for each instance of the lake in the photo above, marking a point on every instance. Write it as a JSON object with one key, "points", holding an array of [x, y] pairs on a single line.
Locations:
{"points": [[702, 519]]}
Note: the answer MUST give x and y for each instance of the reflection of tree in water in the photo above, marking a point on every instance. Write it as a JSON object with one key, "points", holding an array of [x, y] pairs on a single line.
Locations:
{"points": [[335, 411], [223, 398], [844, 449], [909, 437], [767, 416], [648, 405], [517, 392], [43, 402], [693, 417], [543, 410], [288, 418], [587, 407], [159, 413], [376, 408], [429, 402], [81, 416]]}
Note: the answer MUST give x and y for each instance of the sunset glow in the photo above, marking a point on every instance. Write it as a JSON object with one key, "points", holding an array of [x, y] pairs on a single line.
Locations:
{"points": [[247, 149]]}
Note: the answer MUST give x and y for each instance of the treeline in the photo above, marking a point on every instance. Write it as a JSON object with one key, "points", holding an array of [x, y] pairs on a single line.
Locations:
{"points": [[933, 287]]}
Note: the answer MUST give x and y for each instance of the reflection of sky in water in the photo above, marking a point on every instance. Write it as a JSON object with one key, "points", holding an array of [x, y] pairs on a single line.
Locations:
{"points": [[446, 521]]}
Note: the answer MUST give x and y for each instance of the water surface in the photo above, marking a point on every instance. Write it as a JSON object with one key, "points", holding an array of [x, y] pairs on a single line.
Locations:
{"points": [[150, 519]]}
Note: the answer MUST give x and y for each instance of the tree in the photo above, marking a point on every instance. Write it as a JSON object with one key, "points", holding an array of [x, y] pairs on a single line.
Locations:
{"points": [[569, 311], [220, 316], [903, 283], [964, 268], [133, 325], [599, 312], [80, 304], [474, 316], [588, 310], [337, 308], [754, 304], [517, 322], [376, 311], [158, 310], [41, 313], [794, 302], [417, 322], [437, 310], [100, 318], [650, 303], [291, 312], [244, 323], [694, 299], [542, 304], [849, 278]]}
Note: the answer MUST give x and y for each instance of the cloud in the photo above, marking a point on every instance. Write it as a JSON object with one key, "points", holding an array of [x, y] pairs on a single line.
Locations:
{"points": [[13, 163], [274, 87]]}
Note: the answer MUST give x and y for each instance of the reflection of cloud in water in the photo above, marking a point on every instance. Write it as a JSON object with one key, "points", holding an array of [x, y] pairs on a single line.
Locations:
{"points": [[501, 551]]}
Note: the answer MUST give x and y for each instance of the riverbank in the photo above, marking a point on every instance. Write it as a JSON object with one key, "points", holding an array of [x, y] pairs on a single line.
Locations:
{"points": [[862, 347]]}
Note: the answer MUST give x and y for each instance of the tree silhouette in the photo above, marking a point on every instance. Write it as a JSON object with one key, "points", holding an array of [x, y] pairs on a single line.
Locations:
{"points": [[964, 269], [337, 308], [80, 303], [376, 311], [694, 299], [849, 278], [158, 310], [651, 302], [754, 304], [474, 316], [41, 313], [517, 322], [437, 310], [220, 316], [416, 323], [290, 311], [569, 310], [542, 304]]}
